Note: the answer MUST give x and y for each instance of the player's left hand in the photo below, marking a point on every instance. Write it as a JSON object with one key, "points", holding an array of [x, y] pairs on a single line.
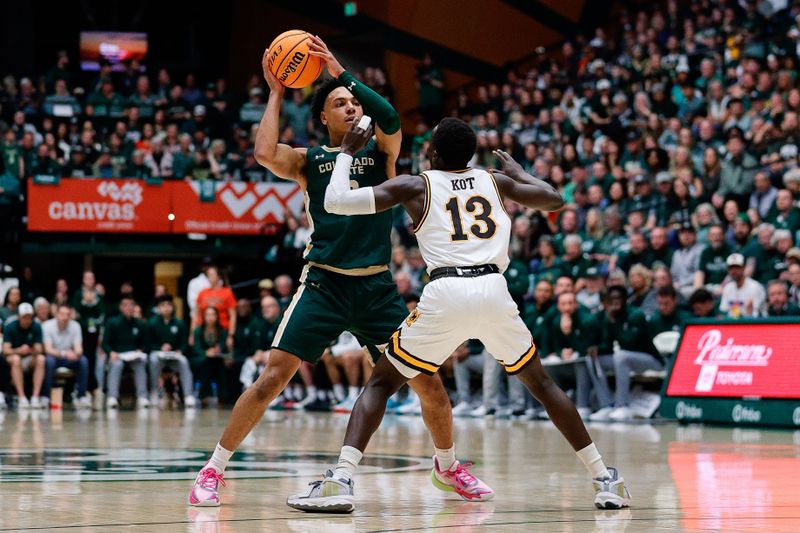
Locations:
{"points": [[318, 48], [356, 138], [510, 166]]}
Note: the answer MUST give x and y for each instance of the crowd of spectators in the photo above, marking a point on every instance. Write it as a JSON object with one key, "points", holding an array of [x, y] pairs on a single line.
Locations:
{"points": [[673, 139]]}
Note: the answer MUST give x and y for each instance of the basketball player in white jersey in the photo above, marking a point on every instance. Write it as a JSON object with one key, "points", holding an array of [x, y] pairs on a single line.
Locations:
{"points": [[463, 233]]}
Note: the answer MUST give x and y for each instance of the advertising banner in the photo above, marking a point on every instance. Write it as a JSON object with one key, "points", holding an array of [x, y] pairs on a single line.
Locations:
{"points": [[136, 206], [737, 361], [97, 206], [735, 372]]}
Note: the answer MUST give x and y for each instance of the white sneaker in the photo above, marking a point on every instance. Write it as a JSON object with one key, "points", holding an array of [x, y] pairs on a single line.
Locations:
{"points": [[611, 492], [481, 411], [601, 415], [584, 412], [142, 402], [190, 402], [112, 403], [84, 402], [2, 401], [542, 414], [462, 409], [621, 414], [156, 400], [36, 402], [23, 403], [329, 495]]}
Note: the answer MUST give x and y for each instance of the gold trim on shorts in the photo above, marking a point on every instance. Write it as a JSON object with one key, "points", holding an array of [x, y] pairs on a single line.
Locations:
{"points": [[367, 271], [526, 358], [415, 363]]}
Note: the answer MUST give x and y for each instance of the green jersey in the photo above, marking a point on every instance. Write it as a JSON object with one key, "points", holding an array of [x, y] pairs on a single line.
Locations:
{"points": [[346, 242]]}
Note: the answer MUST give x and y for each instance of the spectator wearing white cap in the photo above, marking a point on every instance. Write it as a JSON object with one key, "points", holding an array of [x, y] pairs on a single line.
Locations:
{"points": [[22, 348], [742, 296]]}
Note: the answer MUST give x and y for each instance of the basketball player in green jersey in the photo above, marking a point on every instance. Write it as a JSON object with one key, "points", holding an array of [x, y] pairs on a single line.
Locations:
{"points": [[346, 284]]}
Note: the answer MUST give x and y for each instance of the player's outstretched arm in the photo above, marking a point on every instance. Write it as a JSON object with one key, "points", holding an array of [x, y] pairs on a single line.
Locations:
{"points": [[387, 120], [341, 200], [518, 185], [281, 159]]}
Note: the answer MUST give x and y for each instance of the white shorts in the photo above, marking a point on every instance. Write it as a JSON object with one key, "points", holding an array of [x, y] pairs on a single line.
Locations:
{"points": [[453, 310]]}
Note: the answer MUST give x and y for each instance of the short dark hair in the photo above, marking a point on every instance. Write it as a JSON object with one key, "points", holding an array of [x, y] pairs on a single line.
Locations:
{"points": [[165, 298], [701, 296], [454, 142], [668, 291], [321, 94], [616, 289]]}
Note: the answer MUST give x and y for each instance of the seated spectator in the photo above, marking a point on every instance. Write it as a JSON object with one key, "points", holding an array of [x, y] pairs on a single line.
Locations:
{"points": [[591, 295], [11, 305], [627, 327], [23, 352], [125, 342], [41, 310], [778, 301], [468, 359], [548, 267], [762, 199], [573, 334], [63, 345], [284, 289], [219, 296], [211, 362], [794, 281], [742, 296], [168, 344], [640, 280], [246, 343], [346, 355], [575, 263], [712, 267], [701, 302], [784, 214], [669, 316], [686, 260], [639, 254], [760, 255]]}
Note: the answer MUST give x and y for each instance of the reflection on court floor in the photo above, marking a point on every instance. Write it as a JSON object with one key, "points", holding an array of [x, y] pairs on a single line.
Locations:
{"points": [[89, 472]]}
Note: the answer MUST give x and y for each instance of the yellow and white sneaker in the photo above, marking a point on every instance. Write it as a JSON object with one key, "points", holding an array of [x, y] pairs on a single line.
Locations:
{"points": [[611, 492], [328, 495]]}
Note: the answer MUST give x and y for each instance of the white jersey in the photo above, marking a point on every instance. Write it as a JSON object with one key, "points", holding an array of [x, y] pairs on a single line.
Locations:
{"points": [[464, 222]]}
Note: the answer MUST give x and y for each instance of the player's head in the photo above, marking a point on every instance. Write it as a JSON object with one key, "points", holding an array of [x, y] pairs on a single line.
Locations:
{"points": [[335, 107], [452, 145]]}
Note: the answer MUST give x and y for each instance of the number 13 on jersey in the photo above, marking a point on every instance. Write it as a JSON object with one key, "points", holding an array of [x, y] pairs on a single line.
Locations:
{"points": [[484, 227]]}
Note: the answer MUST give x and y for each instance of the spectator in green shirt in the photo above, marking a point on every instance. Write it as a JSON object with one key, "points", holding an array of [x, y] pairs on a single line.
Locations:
{"points": [[246, 343], [573, 334], [168, 344], [536, 311], [517, 280], [627, 328], [549, 266], [778, 300], [125, 341], [669, 316], [713, 269], [761, 256], [702, 304], [575, 262], [23, 351], [210, 362], [784, 214]]}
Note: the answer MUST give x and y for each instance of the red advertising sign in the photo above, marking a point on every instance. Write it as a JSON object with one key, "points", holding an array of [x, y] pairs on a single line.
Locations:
{"points": [[134, 206], [94, 206], [238, 208], [737, 361]]}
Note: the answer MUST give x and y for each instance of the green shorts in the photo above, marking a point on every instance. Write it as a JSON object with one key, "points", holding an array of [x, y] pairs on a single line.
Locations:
{"points": [[327, 303]]}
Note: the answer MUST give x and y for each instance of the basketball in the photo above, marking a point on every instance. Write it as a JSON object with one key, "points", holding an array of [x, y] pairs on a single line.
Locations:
{"points": [[290, 61]]}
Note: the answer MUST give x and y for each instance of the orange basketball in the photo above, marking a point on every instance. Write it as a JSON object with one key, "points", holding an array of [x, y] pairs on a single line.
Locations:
{"points": [[290, 61]]}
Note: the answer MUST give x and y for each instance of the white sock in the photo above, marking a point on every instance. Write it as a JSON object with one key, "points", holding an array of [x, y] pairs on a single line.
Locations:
{"points": [[311, 390], [593, 462], [348, 462], [219, 461], [338, 392], [446, 457], [352, 392]]}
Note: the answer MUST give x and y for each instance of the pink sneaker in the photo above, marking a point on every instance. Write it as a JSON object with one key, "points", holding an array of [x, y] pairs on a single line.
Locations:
{"points": [[458, 479], [205, 492]]}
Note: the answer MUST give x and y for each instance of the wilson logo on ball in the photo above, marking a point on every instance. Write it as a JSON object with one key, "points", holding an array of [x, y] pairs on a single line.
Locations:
{"points": [[294, 64]]}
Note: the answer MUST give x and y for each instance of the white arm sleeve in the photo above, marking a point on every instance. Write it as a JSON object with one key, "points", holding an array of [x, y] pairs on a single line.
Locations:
{"points": [[339, 199]]}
